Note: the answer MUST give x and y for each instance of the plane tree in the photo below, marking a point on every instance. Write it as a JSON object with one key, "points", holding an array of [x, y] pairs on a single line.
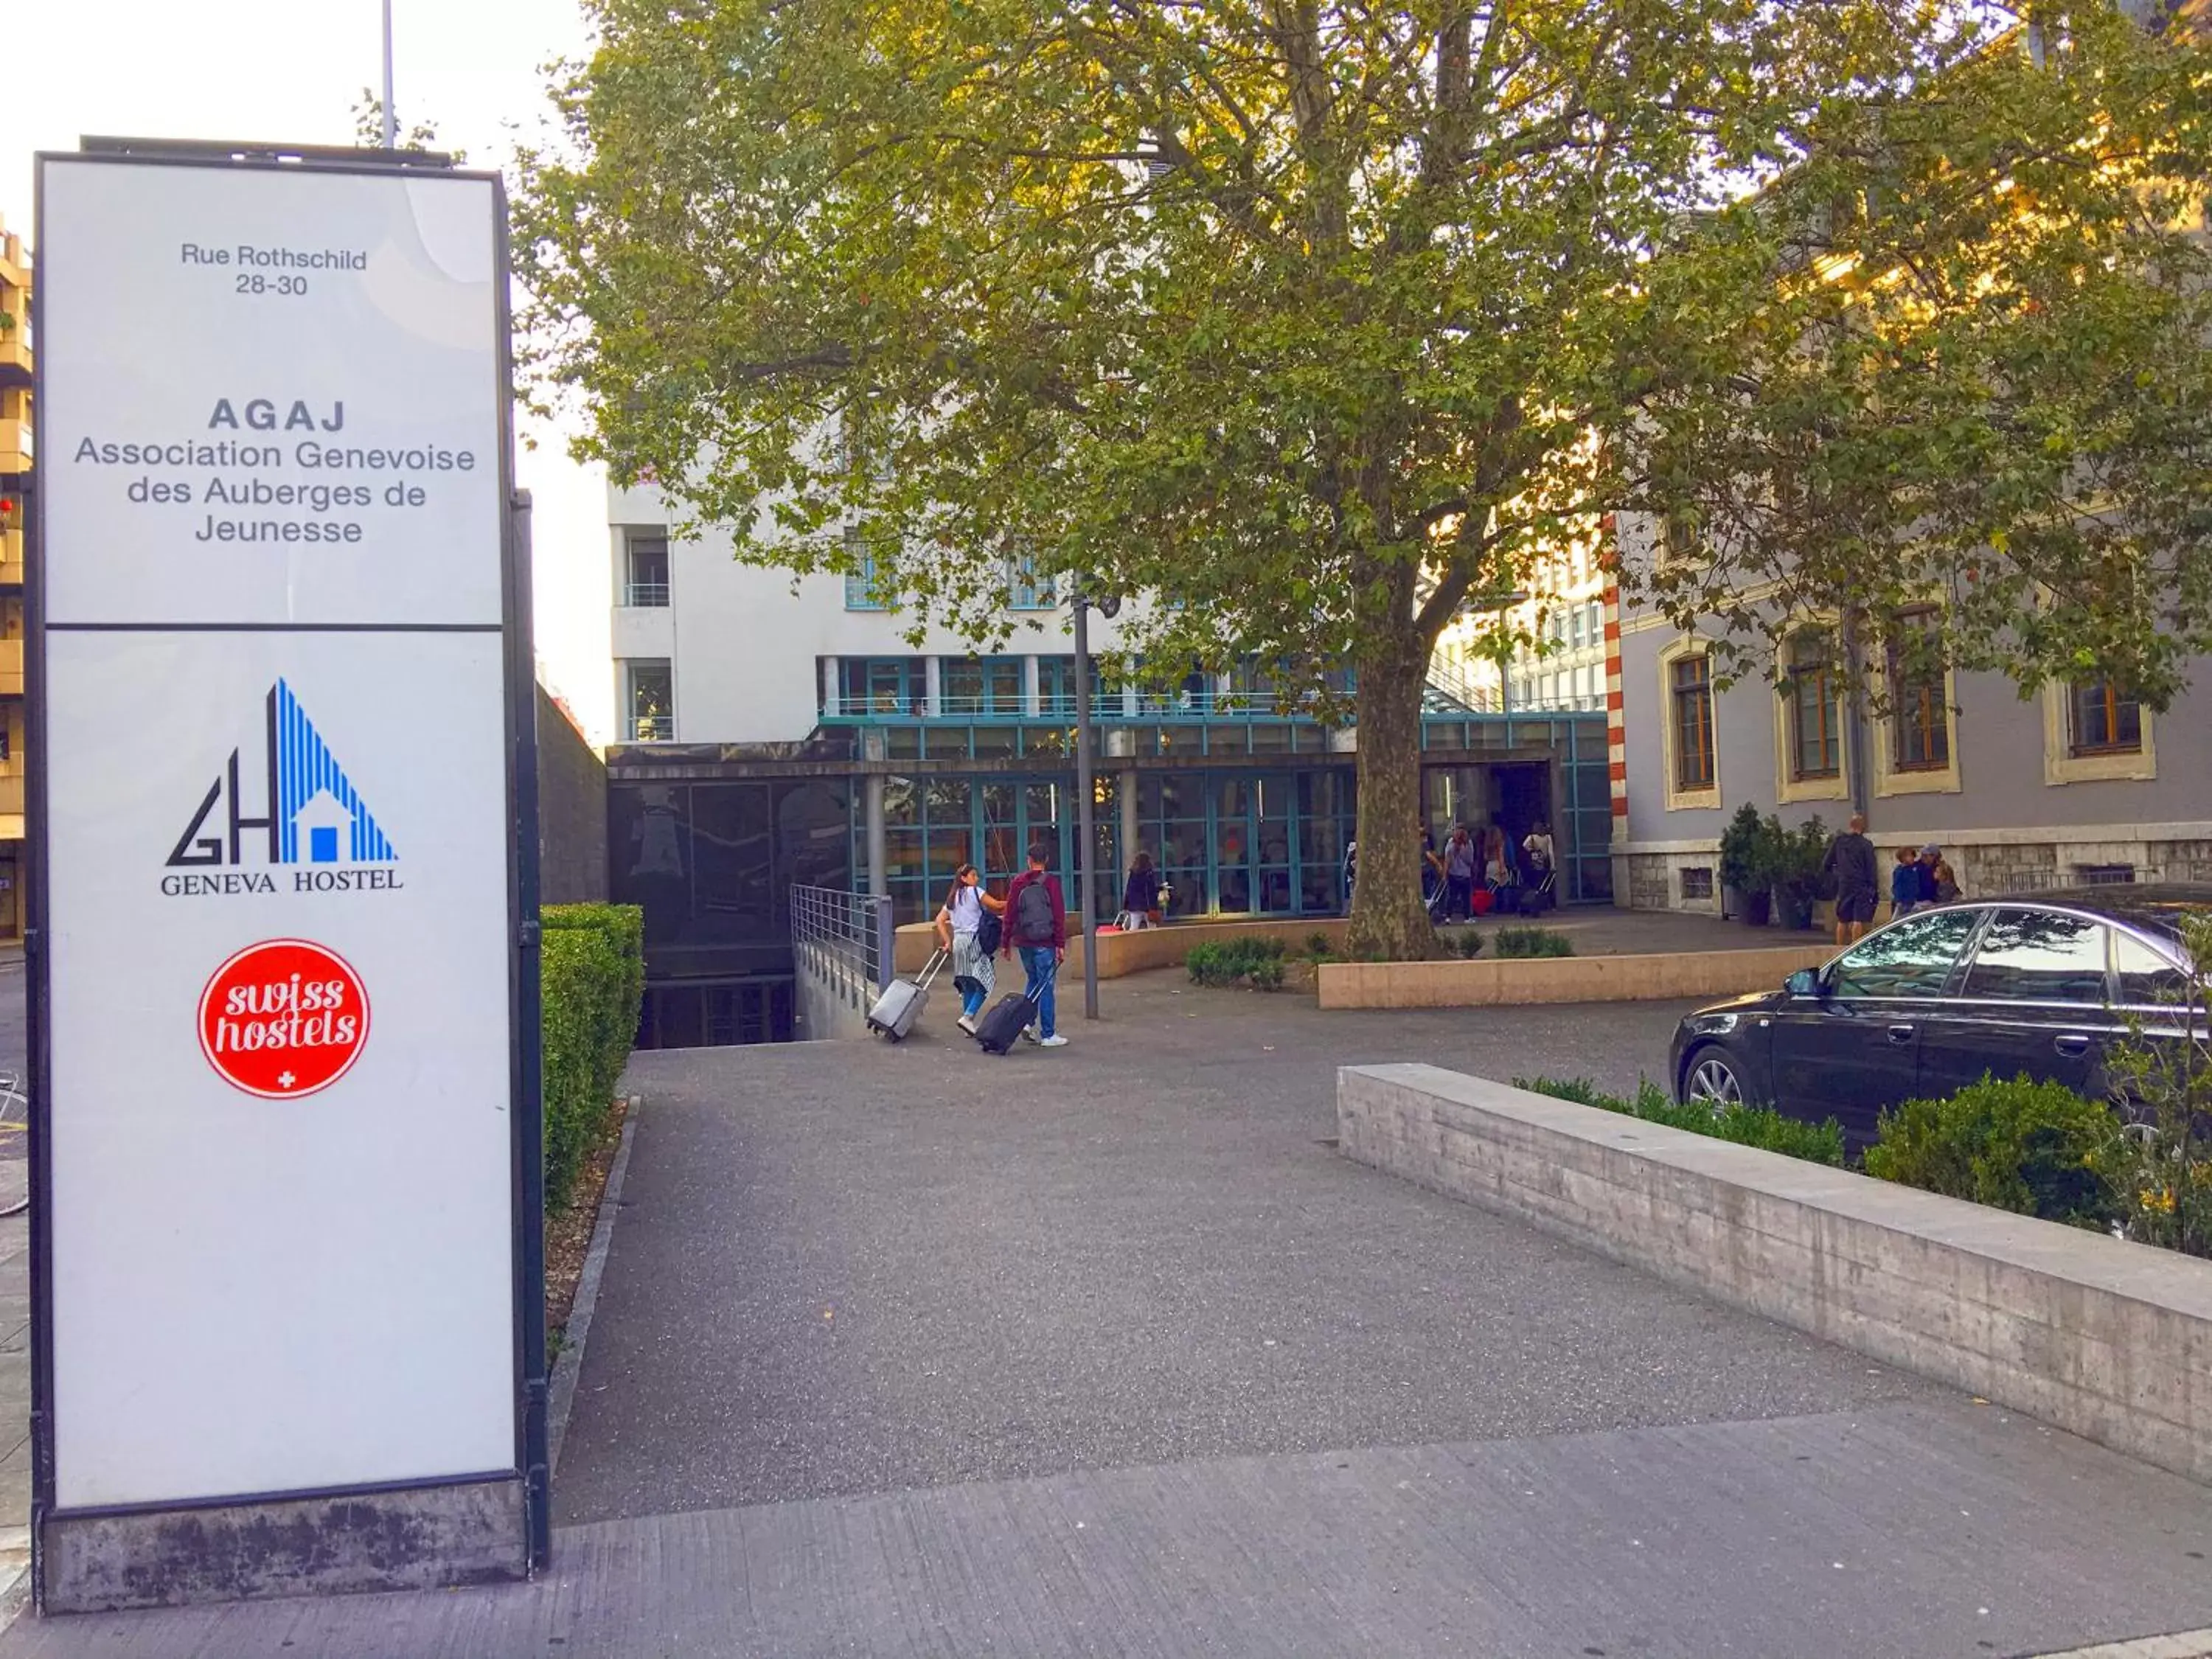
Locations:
{"points": [[1305, 319]]}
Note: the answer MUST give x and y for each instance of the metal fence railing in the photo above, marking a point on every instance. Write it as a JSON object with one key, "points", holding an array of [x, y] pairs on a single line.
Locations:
{"points": [[843, 942]]}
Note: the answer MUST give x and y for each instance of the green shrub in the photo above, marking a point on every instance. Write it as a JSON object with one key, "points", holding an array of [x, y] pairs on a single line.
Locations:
{"points": [[1533, 942], [1747, 1126], [624, 927], [2036, 1148], [1227, 961], [592, 974], [1318, 949]]}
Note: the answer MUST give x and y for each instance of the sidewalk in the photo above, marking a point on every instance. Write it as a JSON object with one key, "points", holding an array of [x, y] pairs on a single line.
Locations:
{"points": [[15, 1370]]}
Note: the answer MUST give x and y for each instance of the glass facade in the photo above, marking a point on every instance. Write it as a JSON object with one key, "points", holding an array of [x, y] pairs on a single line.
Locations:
{"points": [[1245, 806]]}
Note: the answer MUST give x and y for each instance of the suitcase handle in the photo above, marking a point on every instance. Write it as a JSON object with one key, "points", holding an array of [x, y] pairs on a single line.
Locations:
{"points": [[937, 958]]}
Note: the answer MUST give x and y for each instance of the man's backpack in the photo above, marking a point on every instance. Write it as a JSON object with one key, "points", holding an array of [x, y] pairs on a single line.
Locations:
{"points": [[1034, 922]]}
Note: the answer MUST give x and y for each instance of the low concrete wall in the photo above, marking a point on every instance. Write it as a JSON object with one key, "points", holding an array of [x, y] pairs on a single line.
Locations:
{"points": [[831, 997], [1483, 982], [2111, 1340], [1147, 948]]}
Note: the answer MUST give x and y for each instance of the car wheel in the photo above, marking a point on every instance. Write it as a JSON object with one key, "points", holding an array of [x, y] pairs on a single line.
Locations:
{"points": [[1711, 1077]]}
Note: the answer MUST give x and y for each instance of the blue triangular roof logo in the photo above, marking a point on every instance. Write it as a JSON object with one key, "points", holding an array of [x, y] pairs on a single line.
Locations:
{"points": [[305, 769]]}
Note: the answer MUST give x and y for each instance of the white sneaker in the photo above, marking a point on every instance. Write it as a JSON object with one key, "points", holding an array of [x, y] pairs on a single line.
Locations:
{"points": [[1030, 1034], [966, 1025], [1055, 1040]]}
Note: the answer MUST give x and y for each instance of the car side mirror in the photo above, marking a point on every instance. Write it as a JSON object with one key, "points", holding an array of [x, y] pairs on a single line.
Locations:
{"points": [[1805, 982]]}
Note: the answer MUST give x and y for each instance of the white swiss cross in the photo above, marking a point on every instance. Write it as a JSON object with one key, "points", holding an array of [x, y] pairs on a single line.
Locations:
{"points": [[284, 1080]]}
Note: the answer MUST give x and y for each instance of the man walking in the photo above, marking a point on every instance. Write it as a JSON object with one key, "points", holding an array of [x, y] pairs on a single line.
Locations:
{"points": [[1850, 864], [1037, 925]]}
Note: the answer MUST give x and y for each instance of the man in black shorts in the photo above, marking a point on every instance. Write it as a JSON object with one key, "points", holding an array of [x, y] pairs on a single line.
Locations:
{"points": [[1850, 864]]}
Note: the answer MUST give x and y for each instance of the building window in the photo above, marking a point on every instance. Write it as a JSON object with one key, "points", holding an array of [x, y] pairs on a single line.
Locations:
{"points": [[861, 593], [1698, 883], [1692, 680], [968, 686], [1816, 742], [649, 701], [1026, 590], [1920, 717], [883, 685], [2105, 720], [646, 581]]}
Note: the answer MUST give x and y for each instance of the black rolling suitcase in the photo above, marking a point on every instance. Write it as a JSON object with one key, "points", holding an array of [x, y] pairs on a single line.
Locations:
{"points": [[1003, 1023]]}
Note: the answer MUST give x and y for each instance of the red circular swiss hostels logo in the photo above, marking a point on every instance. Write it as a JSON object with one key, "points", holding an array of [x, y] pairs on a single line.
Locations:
{"points": [[283, 1018]]}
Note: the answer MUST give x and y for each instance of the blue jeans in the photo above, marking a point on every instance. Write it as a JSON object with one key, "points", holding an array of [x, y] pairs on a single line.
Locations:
{"points": [[972, 966], [1043, 963]]}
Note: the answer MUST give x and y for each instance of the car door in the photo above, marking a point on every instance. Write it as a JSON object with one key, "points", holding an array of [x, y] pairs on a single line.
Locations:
{"points": [[2036, 1000], [2159, 1000], [1854, 1048]]}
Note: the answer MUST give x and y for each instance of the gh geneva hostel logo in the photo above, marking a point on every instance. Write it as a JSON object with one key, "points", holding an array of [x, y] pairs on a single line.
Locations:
{"points": [[287, 818], [283, 1018]]}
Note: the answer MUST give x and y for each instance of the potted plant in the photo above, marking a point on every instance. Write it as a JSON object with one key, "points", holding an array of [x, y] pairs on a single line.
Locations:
{"points": [[1744, 895], [1798, 855]]}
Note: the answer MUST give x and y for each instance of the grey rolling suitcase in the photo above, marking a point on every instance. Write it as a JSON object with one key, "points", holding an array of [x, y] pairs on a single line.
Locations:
{"points": [[901, 1005]]}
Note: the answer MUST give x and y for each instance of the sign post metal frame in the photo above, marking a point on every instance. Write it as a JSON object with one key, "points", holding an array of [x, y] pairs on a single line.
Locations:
{"points": [[383, 1534]]}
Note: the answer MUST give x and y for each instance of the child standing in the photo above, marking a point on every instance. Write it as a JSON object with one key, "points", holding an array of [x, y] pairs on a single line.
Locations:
{"points": [[1904, 884]]}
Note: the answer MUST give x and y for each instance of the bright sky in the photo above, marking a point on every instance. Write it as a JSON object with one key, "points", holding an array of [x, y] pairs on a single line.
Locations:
{"points": [[290, 71]]}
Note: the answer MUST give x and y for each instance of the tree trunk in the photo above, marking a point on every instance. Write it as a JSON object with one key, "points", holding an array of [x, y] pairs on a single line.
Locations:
{"points": [[1389, 921]]}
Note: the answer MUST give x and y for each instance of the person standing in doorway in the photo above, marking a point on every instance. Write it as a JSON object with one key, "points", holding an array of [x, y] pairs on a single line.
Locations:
{"points": [[1037, 925], [1459, 860], [968, 926], [1538, 845], [1851, 865]]}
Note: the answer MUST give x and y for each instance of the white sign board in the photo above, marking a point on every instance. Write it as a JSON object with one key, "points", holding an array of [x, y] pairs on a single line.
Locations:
{"points": [[281, 1141]]}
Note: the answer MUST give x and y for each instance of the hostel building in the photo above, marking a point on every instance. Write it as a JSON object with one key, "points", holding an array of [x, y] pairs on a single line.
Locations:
{"points": [[774, 735]]}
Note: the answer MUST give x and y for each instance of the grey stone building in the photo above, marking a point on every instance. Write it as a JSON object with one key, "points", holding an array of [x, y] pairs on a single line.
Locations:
{"points": [[2074, 783]]}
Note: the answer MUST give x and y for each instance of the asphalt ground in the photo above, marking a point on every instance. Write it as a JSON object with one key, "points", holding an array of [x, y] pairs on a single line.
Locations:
{"points": [[909, 1351], [857, 1267]]}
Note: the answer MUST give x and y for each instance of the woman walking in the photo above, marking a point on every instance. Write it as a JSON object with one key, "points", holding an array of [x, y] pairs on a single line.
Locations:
{"points": [[1140, 895], [968, 926]]}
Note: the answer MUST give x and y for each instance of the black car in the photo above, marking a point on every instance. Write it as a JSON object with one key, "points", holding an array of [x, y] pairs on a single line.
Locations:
{"points": [[2036, 982]]}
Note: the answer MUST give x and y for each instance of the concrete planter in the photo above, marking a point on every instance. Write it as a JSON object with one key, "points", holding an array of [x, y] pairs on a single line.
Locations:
{"points": [[1484, 983], [2109, 1340]]}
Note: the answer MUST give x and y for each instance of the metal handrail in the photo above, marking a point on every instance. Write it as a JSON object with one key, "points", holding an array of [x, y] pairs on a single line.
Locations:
{"points": [[843, 936]]}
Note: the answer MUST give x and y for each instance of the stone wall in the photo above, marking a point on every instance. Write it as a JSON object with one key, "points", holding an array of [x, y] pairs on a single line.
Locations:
{"points": [[2109, 1340], [572, 811]]}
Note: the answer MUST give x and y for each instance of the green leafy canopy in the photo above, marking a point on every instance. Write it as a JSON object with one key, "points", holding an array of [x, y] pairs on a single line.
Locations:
{"points": [[1312, 316]]}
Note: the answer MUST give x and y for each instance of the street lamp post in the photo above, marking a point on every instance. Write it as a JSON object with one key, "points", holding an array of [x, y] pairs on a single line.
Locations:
{"points": [[1085, 785], [390, 118]]}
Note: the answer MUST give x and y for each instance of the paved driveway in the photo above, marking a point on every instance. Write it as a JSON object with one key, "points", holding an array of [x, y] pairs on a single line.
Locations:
{"points": [[910, 1350]]}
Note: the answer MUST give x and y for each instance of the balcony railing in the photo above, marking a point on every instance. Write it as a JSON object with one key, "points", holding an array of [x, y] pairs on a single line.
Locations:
{"points": [[649, 596], [1059, 707], [11, 668], [11, 794], [653, 728]]}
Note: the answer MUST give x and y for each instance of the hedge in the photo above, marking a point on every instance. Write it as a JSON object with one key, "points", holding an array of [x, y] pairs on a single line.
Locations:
{"points": [[591, 976], [2014, 1144], [1259, 962], [1747, 1126]]}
